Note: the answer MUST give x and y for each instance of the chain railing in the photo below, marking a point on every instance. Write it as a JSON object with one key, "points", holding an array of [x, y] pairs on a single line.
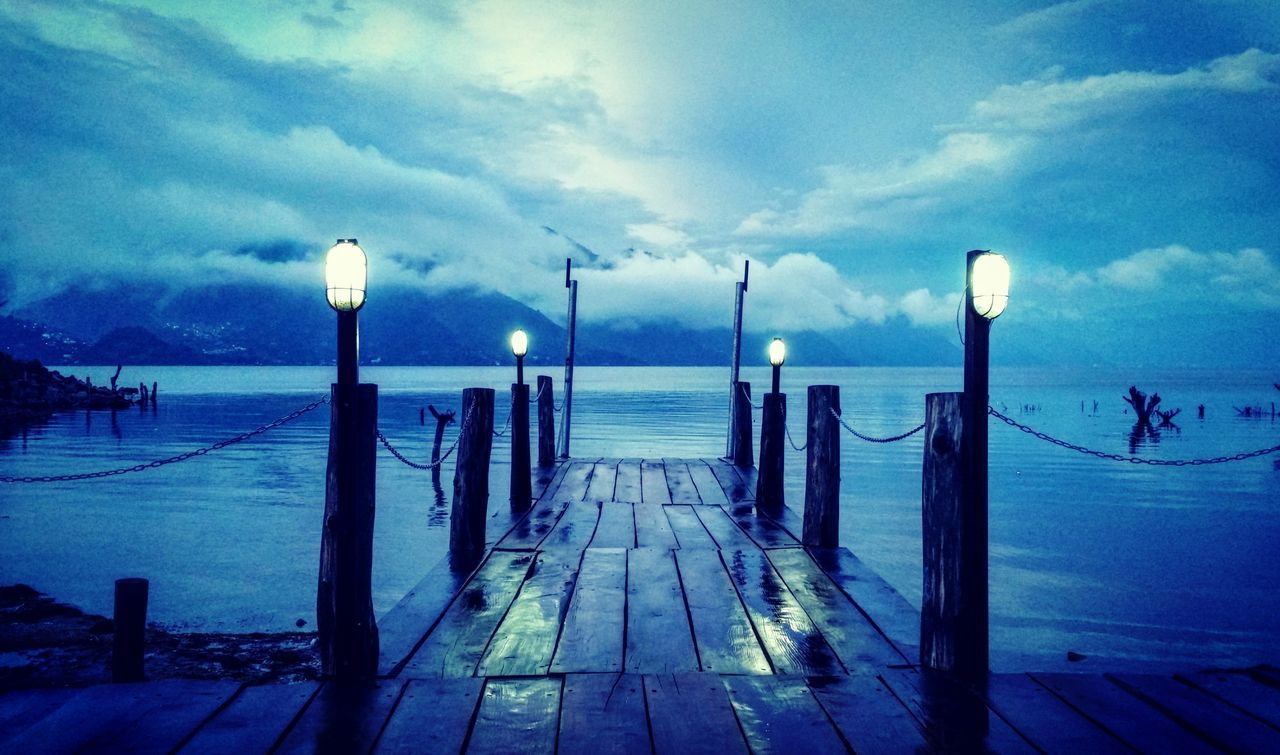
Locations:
{"points": [[1129, 459], [435, 464], [505, 426], [172, 459], [787, 427], [747, 396], [872, 439]]}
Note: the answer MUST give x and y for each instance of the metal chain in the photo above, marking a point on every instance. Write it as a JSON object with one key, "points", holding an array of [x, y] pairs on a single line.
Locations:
{"points": [[172, 459], [792, 442], [1130, 459], [869, 439], [505, 425], [435, 464], [747, 396], [541, 389]]}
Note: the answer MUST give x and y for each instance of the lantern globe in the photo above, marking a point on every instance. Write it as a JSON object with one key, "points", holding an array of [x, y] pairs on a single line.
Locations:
{"points": [[519, 343], [777, 352], [346, 275], [989, 285]]}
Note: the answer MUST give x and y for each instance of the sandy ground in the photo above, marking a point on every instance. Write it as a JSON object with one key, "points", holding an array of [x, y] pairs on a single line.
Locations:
{"points": [[44, 643]]}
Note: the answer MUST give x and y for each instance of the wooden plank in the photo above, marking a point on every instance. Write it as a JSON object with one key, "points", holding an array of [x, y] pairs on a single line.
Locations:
{"points": [[867, 715], [688, 529], [794, 644], [455, 646], [434, 715], [573, 486], [788, 519], [603, 713], [626, 488], [659, 640], [254, 720], [526, 639], [760, 528], [616, 528], [884, 606], [1211, 718], [548, 490], [21, 709], [516, 715], [404, 627], [1050, 724], [146, 717], [653, 482], [542, 477], [602, 480], [574, 529], [779, 714], [344, 717], [592, 639], [723, 529], [1238, 688], [709, 489], [954, 719], [652, 528], [691, 714], [1125, 716], [855, 639], [750, 477], [731, 484], [680, 483], [725, 639], [530, 531]]}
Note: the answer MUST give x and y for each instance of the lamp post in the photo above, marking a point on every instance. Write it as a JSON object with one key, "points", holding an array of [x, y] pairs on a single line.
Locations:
{"points": [[987, 295], [777, 355], [521, 485], [348, 634]]}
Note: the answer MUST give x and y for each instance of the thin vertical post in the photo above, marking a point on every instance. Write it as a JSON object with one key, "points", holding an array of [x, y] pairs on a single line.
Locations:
{"points": [[773, 424], [348, 634], [740, 289], [546, 422], [743, 455], [977, 350], [130, 622], [471, 473], [572, 285], [521, 485], [348, 348], [822, 469]]}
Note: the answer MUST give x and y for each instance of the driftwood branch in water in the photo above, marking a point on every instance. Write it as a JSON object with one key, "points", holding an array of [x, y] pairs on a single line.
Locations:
{"points": [[1142, 406]]}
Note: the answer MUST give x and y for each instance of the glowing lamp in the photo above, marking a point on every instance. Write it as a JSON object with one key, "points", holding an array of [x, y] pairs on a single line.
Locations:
{"points": [[345, 275], [989, 285], [777, 355], [519, 347]]}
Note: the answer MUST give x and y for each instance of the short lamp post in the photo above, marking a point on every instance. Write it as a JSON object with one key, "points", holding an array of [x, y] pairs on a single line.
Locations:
{"points": [[987, 295], [773, 423], [348, 634], [521, 484]]}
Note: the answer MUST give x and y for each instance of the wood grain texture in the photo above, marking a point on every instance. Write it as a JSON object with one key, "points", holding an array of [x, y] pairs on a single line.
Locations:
{"points": [[726, 641], [659, 639], [603, 713]]}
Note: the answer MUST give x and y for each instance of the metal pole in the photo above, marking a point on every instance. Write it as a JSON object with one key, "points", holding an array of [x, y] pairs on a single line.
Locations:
{"points": [[974, 584], [568, 366], [739, 290], [348, 348]]}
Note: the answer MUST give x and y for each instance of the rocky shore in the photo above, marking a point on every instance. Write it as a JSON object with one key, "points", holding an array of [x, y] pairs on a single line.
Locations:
{"points": [[29, 392]]}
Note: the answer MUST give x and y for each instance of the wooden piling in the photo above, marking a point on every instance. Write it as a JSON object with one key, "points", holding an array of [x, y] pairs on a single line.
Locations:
{"points": [[348, 634], [953, 612], [521, 485], [129, 620], [743, 455], [471, 473], [773, 425], [546, 422], [442, 419], [822, 469]]}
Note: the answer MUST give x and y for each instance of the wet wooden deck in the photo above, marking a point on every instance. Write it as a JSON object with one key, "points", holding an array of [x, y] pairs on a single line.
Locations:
{"points": [[645, 606]]}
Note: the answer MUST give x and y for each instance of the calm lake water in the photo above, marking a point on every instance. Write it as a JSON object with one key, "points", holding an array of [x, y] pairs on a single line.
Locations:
{"points": [[1132, 566]]}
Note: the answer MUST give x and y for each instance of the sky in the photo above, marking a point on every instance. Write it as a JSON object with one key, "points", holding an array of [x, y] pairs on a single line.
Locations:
{"points": [[1122, 155]]}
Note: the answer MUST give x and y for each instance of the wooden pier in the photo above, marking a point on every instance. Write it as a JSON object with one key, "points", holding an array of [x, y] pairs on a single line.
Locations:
{"points": [[647, 606]]}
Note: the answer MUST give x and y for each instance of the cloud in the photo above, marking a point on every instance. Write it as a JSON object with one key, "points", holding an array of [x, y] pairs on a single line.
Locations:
{"points": [[923, 308], [1248, 277], [1047, 19]]}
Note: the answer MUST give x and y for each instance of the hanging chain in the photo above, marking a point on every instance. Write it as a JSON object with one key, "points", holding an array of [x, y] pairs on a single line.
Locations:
{"points": [[870, 439], [172, 459], [541, 389], [747, 396], [792, 442], [505, 425], [1130, 459], [435, 464]]}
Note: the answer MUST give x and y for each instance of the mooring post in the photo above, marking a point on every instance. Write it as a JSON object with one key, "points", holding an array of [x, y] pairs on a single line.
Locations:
{"points": [[743, 455], [566, 412], [442, 419], [521, 485], [129, 620], [773, 424], [546, 422], [953, 611], [348, 633], [740, 290], [471, 473], [822, 469]]}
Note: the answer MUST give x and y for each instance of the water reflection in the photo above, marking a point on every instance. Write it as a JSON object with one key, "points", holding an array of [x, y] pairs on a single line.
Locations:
{"points": [[438, 516]]}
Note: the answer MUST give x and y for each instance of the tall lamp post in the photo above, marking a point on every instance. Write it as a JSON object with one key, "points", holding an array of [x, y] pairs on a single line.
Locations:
{"points": [[773, 423], [987, 295], [348, 634], [521, 485], [777, 355]]}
